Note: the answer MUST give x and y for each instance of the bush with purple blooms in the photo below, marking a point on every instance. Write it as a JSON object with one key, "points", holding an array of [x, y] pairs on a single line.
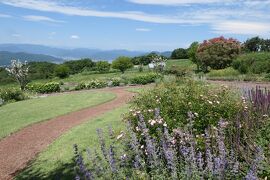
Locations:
{"points": [[152, 147], [170, 155]]}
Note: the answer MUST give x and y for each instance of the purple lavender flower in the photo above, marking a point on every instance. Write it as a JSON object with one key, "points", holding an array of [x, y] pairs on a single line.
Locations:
{"points": [[102, 143], [80, 163], [112, 160]]}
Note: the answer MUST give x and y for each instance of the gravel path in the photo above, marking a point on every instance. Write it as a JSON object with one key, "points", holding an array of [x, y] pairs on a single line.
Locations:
{"points": [[21, 147]]}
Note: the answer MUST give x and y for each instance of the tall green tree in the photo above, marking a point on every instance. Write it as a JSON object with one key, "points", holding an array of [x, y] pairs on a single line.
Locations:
{"points": [[122, 63], [77, 66], [253, 44], [192, 54], [62, 71], [179, 53], [103, 66]]}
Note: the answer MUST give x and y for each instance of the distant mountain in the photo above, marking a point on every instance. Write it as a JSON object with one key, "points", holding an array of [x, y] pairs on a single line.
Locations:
{"points": [[6, 56], [77, 53]]}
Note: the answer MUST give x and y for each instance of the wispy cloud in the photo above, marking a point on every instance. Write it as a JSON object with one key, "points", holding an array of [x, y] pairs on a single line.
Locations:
{"points": [[74, 37], [41, 18], [238, 27], [223, 16], [50, 6], [16, 35], [143, 29], [176, 2], [5, 16]]}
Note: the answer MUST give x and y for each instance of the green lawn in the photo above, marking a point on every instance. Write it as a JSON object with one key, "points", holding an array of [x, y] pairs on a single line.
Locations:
{"points": [[15, 116], [56, 162], [185, 63]]}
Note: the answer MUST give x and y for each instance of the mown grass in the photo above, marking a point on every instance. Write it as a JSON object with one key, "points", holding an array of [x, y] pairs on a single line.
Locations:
{"points": [[184, 63], [56, 162], [15, 116]]}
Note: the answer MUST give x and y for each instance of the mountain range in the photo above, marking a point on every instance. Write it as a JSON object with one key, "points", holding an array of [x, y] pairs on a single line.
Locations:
{"points": [[33, 52]]}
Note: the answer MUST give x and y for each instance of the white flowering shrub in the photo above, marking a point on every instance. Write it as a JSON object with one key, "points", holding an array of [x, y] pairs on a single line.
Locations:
{"points": [[19, 71], [159, 63]]}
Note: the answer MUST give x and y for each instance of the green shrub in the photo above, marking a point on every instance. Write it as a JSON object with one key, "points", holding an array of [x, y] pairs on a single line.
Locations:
{"points": [[80, 86], [114, 82], [207, 104], [94, 84], [256, 63], [122, 63], [62, 71], [103, 66], [223, 72], [178, 71], [267, 76], [44, 88], [144, 79], [12, 94]]}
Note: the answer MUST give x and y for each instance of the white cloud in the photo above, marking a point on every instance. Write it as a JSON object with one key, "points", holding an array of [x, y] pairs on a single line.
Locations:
{"points": [[143, 29], [176, 2], [238, 27], [41, 18], [74, 37], [52, 33], [235, 17], [5, 16], [50, 6], [16, 35]]}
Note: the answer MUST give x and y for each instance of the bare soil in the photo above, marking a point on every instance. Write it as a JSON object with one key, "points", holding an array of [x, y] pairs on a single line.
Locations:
{"points": [[18, 149]]}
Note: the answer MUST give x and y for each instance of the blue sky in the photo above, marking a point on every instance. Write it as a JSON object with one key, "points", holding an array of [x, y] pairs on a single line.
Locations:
{"points": [[130, 24]]}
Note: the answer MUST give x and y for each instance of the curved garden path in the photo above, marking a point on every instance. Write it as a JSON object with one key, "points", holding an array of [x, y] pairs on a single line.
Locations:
{"points": [[21, 147]]}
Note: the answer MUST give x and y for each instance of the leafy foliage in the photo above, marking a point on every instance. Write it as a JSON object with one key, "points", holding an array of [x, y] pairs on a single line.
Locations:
{"points": [[253, 63], [177, 70], [179, 53], [93, 84], [102, 66], [12, 94], [208, 104], [122, 63], [78, 66], [41, 70], [217, 53], [192, 53], [44, 88], [62, 71], [146, 59], [257, 44], [144, 79], [4, 76]]}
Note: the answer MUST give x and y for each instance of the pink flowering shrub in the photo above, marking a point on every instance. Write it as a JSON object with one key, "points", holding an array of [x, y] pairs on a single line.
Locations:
{"points": [[217, 53]]}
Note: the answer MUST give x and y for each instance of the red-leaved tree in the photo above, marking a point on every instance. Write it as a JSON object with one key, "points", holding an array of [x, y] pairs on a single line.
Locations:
{"points": [[217, 53]]}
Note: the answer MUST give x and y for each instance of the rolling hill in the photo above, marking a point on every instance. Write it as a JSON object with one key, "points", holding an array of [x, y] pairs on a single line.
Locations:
{"points": [[6, 56]]}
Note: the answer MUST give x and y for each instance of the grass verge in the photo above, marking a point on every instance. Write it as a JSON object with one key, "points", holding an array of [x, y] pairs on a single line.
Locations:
{"points": [[15, 116], [57, 162]]}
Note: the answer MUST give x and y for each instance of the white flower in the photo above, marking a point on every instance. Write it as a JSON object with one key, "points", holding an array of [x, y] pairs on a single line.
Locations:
{"points": [[165, 124], [142, 146], [196, 114], [120, 136]]}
